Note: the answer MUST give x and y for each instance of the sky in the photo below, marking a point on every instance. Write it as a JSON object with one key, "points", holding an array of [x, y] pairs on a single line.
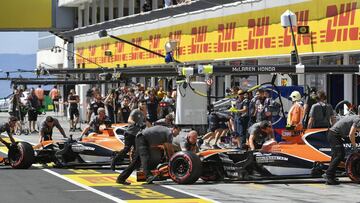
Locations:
{"points": [[18, 42]]}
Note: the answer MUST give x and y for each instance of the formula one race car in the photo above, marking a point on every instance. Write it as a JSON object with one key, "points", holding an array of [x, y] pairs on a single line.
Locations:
{"points": [[95, 149], [302, 154]]}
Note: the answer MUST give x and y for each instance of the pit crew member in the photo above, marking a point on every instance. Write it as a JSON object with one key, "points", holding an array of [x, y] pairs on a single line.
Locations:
{"points": [[73, 100], [168, 121], [186, 141], [345, 127], [296, 112], [137, 121], [46, 128], [153, 136], [96, 122], [321, 113], [8, 127], [259, 133]]}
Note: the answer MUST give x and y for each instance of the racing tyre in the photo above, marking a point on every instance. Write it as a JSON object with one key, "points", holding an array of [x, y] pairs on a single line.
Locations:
{"points": [[352, 167], [21, 156], [185, 167]]}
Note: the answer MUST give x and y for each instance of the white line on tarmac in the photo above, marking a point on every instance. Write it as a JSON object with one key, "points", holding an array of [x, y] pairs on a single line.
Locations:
{"points": [[188, 193], [77, 190], [115, 199], [179, 190]]}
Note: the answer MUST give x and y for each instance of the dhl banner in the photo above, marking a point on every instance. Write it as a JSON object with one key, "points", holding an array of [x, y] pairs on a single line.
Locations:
{"points": [[25, 14], [334, 26]]}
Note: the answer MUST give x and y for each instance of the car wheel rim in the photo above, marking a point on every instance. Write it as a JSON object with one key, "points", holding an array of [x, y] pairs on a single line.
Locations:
{"points": [[181, 167]]}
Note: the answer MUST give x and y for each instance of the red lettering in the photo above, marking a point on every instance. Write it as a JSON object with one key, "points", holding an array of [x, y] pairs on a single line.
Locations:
{"points": [[92, 50], [136, 41], [198, 41], [119, 47], [105, 46], [154, 41], [258, 30], [341, 23], [80, 51], [226, 38]]}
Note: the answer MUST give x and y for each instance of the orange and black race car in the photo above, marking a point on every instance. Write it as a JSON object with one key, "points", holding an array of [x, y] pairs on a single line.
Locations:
{"points": [[95, 149], [301, 154]]}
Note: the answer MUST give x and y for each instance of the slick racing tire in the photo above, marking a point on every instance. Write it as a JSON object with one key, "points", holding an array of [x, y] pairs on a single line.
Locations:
{"points": [[352, 167], [21, 156], [185, 167]]}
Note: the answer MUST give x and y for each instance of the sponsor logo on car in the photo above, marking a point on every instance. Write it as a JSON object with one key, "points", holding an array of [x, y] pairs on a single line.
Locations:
{"points": [[81, 148]]}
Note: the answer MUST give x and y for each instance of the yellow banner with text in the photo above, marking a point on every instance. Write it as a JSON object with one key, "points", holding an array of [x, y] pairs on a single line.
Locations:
{"points": [[25, 14], [334, 26]]}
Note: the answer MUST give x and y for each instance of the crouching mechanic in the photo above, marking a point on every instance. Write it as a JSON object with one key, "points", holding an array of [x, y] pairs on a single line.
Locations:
{"points": [[46, 128], [96, 122], [259, 133], [186, 142], [346, 127], [8, 127], [153, 136]]}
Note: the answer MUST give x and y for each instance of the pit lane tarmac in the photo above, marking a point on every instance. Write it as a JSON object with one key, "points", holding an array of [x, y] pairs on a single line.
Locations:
{"points": [[50, 185], [101, 182]]}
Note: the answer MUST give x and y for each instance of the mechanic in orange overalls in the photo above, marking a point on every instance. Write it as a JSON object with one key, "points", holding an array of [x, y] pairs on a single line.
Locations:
{"points": [[296, 112]]}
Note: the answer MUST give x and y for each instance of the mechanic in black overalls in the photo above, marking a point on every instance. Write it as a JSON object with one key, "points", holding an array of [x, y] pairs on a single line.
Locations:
{"points": [[342, 129], [8, 127], [149, 137], [46, 128], [137, 122]]}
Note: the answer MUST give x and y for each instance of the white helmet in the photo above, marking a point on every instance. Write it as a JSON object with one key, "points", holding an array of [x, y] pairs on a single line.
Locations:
{"points": [[295, 96]]}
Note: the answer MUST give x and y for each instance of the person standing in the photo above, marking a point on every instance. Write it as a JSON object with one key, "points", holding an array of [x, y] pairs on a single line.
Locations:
{"points": [[152, 106], [345, 127], [321, 114], [39, 92], [124, 111], [55, 96], [94, 106], [241, 118], [15, 107], [73, 100], [296, 112], [33, 105], [110, 104], [137, 121], [310, 100]]}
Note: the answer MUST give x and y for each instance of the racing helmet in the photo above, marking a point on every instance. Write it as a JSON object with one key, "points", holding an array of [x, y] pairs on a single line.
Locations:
{"points": [[295, 96]]}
